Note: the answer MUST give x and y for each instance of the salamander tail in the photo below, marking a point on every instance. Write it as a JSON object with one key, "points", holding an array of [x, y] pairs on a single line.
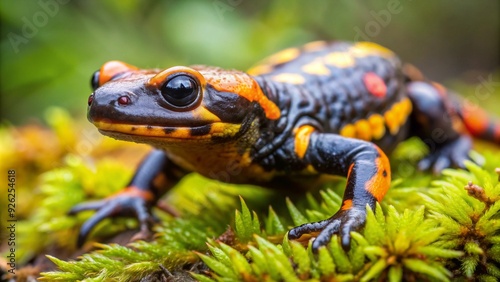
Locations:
{"points": [[478, 123]]}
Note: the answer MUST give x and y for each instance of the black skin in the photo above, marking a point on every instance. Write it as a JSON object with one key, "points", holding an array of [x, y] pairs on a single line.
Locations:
{"points": [[325, 103], [453, 151]]}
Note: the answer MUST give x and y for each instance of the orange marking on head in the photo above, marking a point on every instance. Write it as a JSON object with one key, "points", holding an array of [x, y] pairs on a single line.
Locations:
{"points": [[293, 78], [159, 79], [340, 59], [112, 68], [302, 135], [381, 181], [241, 84], [375, 85], [316, 67], [346, 205]]}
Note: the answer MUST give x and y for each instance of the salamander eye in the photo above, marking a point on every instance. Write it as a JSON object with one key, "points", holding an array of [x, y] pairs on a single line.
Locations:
{"points": [[94, 81], [180, 91]]}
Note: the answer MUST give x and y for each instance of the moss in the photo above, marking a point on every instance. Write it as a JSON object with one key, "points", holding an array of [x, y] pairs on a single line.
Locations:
{"points": [[427, 228]]}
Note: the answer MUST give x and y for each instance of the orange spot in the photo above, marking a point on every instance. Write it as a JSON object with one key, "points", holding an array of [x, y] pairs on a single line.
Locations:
{"points": [[375, 85], [135, 191], [475, 119], [302, 136], [381, 181], [112, 68], [347, 205]]}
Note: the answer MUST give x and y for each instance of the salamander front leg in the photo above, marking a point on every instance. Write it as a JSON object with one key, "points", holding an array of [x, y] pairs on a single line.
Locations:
{"points": [[368, 178], [155, 175]]}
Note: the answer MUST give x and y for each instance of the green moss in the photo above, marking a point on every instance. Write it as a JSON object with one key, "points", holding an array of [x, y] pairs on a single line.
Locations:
{"points": [[222, 237]]}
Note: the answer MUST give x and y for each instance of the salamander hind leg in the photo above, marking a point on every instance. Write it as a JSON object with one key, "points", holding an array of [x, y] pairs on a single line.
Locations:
{"points": [[432, 120], [368, 178]]}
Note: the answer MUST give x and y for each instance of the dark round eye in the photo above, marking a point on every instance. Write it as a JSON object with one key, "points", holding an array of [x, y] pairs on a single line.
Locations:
{"points": [[94, 81], [180, 91]]}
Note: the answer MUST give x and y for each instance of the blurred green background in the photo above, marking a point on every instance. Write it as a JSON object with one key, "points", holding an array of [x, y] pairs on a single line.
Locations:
{"points": [[50, 48]]}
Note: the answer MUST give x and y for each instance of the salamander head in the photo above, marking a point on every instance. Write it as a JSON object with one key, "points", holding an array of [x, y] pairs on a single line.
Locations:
{"points": [[175, 104]]}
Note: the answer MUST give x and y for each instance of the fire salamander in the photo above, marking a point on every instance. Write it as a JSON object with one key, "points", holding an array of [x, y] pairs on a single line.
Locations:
{"points": [[334, 108]]}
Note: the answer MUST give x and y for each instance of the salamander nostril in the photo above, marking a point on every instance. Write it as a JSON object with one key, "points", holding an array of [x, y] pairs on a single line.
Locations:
{"points": [[124, 100], [90, 100]]}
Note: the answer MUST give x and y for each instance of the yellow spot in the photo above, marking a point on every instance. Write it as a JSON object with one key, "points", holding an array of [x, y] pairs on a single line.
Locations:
{"points": [[293, 78], [202, 114], [314, 46], [397, 115], [316, 67], [392, 122], [340, 59], [377, 124], [284, 56], [363, 49], [260, 69], [348, 131], [302, 135], [363, 130], [221, 129]]}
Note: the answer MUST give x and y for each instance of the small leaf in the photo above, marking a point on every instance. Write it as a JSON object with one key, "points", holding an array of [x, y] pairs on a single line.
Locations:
{"points": [[325, 262], [424, 268], [297, 217], [375, 270], [395, 273], [273, 224], [218, 267]]}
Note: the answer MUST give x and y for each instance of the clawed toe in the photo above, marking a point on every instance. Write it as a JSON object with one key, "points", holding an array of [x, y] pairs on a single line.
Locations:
{"points": [[342, 223], [124, 204], [452, 154]]}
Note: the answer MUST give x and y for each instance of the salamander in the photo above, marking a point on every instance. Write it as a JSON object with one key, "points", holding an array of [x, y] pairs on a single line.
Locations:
{"points": [[325, 108]]}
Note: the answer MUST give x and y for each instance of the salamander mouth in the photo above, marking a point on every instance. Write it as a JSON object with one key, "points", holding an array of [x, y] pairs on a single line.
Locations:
{"points": [[208, 131]]}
